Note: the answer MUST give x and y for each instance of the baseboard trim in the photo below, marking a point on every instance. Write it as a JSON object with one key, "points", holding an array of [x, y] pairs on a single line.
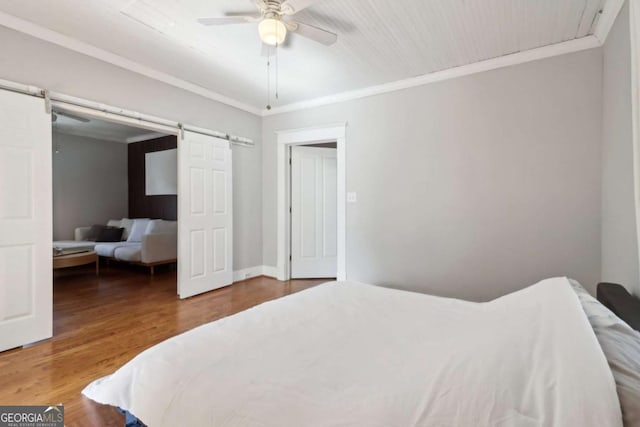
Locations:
{"points": [[247, 273], [251, 272], [269, 271]]}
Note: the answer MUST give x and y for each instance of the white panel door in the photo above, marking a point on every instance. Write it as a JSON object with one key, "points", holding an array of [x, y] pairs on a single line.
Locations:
{"points": [[26, 294], [314, 212], [205, 213]]}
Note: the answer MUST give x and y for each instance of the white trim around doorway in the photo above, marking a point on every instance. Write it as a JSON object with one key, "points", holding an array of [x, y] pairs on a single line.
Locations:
{"points": [[286, 138]]}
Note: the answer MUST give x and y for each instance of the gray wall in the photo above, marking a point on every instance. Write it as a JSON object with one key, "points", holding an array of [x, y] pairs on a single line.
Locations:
{"points": [[28, 60], [90, 183], [619, 241], [495, 180], [472, 187]]}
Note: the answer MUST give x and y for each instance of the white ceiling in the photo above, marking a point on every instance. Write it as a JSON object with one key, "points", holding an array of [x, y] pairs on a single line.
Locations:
{"points": [[380, 41], [100, 129]]}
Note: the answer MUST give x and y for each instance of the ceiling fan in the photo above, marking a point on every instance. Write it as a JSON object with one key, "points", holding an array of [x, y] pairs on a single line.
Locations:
{"points": [[274, 19]]}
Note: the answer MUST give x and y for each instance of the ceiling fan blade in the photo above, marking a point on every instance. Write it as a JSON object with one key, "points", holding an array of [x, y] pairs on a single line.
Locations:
{"points": [[228, 20], [73, 117], [290, 7], [319, 35], [246, 15], [260, 4]]}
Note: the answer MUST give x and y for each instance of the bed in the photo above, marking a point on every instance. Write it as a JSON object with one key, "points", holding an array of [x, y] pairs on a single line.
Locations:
{"points": [[351, 354]]}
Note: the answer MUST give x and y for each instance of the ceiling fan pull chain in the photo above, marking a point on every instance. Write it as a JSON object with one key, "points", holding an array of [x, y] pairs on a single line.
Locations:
{"points": [[268, 83], [277, 67]]}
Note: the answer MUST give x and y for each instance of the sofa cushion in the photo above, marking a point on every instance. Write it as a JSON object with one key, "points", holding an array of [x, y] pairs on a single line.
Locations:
{"points": [[114, 223], [128, 253], [138, 229], [110, 234], [108, 249], [127, 224], [73, 245], [156, 226], [80, 233]]}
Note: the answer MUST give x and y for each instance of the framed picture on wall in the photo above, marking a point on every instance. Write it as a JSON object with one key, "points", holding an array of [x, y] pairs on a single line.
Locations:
{"points": [[161, 172]]}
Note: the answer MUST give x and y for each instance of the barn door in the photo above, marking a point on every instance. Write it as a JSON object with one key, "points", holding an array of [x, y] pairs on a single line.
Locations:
{"points": [[26, 297], [205, 239]]}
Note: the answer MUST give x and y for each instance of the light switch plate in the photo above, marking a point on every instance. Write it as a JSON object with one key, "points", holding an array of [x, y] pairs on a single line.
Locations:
{"points": [[352, 197]]}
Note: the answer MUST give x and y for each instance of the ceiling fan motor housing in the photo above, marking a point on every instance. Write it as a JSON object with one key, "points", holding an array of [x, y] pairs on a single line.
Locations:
{"points": [[272, 8], [275, 20]]}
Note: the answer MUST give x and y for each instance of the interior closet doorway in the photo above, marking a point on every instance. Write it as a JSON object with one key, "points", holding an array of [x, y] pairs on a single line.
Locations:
{"points": [[305, 137]]}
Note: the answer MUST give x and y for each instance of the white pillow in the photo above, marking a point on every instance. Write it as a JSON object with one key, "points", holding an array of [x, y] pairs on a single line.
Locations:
{"points": [[127, 224], [138, 229], [114, 223]]}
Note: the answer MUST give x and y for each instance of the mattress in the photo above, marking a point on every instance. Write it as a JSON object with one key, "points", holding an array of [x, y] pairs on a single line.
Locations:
{"points": [[350, 354]]}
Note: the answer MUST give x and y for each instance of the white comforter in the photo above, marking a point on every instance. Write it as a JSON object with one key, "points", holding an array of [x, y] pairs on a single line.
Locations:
{"points": [[348, 354]]}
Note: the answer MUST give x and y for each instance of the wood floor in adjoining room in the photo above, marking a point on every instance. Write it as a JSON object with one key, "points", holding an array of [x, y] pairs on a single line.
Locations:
{"points": [[102, 322]]}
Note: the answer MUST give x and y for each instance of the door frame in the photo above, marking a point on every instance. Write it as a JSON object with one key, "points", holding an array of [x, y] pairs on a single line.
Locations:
{"points": [[286, 138]]}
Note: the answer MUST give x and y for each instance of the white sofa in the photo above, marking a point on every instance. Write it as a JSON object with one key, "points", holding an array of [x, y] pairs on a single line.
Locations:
{"points": [[147, 242]]}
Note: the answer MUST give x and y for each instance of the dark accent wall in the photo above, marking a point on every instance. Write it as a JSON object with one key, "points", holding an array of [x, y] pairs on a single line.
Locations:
{"points": [[140, 205]]}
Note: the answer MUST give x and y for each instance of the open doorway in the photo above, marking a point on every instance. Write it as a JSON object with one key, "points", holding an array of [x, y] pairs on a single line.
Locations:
{"points": [[202, 164], [204, 209], [316, 228], [114, 197]]}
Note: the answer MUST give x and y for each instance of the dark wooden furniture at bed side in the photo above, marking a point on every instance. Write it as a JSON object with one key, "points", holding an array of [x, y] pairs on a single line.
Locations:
{"points": [[624, 305]]}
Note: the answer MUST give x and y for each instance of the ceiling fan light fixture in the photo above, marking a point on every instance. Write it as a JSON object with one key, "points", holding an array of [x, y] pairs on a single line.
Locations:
{"points": [[272, 31]]}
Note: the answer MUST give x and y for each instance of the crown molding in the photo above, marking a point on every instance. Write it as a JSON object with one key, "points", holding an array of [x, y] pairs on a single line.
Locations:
{"points": [[549, 51], [75, 45], [601, 30]]}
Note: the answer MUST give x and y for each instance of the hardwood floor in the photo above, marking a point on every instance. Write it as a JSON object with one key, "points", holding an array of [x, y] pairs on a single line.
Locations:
{"points": [[102, 322]]}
